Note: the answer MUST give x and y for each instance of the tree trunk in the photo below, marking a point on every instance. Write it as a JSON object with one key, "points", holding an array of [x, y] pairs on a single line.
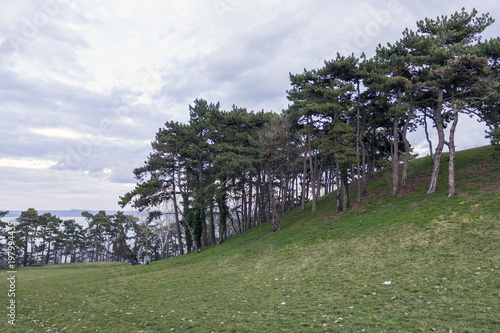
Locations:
{"points": [[286, 194], [256, 214], [276, 219], [326, 172], [165, 252], [338, 181], [239, 222], [177, 222], [407, 150], [303, 193], [427, 137], [264, 213], [43, 252], [266, 203], [296, 192], [332, 176], [439, 149], [345, 188], [358, 142], [319, 173], [163, 245], [345, 195], [395, 158], [368, 159], [243, 203], [212, 224], [221, 202], [66, 253], [25, 249], [311, 166], [249, 202], [363, 163], [96, 244], [202, 207], [48, 254], [73, 251], [176, 209], [33, 242], [232, 223], [204, 239], [195, 243], [451, 147]]}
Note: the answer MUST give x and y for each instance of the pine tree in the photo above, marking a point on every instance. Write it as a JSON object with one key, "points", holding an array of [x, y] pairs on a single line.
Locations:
{"points": [[432, 48]]}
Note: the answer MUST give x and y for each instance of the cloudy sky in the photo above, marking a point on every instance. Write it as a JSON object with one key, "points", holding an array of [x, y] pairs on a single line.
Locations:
{"points": [[85, 85]]}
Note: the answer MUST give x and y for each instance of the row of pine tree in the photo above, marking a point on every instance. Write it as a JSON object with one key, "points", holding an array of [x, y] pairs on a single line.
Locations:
{"points": [[42, 239]]}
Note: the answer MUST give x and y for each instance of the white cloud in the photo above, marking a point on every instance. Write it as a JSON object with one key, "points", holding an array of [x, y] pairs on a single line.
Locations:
{"points": [[57, 133], [26, 163]]}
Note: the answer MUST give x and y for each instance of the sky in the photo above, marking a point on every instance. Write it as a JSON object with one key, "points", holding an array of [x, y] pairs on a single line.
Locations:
{"points": [[85, 85]]}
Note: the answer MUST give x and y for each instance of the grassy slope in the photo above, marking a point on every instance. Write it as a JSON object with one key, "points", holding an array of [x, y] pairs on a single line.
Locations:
{"points": [[324, 272]]}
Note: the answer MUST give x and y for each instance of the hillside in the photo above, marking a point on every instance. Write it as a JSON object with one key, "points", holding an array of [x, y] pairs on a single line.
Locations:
{"points": [[326, 272]]}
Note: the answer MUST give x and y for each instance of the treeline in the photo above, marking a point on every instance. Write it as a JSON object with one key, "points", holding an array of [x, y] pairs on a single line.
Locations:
{"points": [[227, 171], [46, 239]]}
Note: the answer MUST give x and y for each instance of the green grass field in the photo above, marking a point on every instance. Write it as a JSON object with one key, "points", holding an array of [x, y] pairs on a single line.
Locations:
{"points": [[323, 273]]}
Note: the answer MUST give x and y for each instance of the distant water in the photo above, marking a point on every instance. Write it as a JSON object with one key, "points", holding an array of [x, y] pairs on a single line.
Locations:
{"points": [[78, 219]]}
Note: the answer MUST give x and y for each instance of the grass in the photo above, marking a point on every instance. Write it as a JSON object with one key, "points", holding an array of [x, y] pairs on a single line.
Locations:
{"points": [[323, 273]]}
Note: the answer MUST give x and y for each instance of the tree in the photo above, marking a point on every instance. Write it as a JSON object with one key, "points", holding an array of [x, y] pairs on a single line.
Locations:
{"points": [[344, 77], [121, 224], [198, 150], [200, 167], [392, 75], [4, 248], [43, 221], [488, 102], [340, 80], [27, 225], [160, 226], [462, 78], [273, 139], [98, 223], [74, 236], [307, 99], [238, 160], [51, 235], [161, 176], [432, 48]]}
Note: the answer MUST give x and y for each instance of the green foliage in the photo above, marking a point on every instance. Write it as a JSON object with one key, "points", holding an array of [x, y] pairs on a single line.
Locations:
{"points": [[202, 165]]}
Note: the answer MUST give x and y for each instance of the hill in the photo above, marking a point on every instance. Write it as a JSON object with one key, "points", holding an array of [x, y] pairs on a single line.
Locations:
{"points": [[411, 263]]}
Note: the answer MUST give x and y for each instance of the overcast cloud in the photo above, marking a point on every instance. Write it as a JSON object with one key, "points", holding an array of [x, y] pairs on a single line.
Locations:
{"points": [[85, 85]]}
